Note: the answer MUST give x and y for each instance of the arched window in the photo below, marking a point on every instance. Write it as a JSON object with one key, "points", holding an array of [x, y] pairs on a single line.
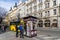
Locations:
{"points": [[54, 24], [40, 24], [40, 21], [55, 20], [47, 23]]}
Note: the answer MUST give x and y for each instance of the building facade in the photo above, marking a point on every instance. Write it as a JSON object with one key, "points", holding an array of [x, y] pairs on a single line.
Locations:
{"points": [[47, 11]]}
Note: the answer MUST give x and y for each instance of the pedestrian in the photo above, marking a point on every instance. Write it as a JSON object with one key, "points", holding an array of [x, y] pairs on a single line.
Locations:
{"points": [[25, 29], [16, 31], [2, 28], [5, 27], [21, 31]]}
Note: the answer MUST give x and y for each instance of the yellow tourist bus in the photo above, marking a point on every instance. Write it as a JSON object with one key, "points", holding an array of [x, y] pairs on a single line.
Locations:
{"points": [[13, 26]]}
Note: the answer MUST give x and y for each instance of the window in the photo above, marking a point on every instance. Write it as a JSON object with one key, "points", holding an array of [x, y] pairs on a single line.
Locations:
{"points": [[41, 14], [35, 8], [40, 7], [48, 13], [54, 3], [47, 5], [54, 11], [35, 2], [45, 14]]}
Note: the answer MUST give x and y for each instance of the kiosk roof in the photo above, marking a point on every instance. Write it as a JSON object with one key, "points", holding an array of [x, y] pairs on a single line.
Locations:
{"points": [[30, 17]]}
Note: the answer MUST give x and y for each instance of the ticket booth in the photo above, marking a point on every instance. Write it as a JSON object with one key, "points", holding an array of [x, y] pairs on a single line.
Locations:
{"points": [[30, 26]]}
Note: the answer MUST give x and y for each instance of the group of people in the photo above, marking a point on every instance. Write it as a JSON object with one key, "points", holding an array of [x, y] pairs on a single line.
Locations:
{"points": [[20, 27], [3, 28]]}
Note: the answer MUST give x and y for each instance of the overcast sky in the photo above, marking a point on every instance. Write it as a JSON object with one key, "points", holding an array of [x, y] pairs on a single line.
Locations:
{"points": [[8, 3]]}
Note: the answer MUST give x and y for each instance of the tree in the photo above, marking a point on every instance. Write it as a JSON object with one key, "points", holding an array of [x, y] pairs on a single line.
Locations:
{"points": [[2, 14]]}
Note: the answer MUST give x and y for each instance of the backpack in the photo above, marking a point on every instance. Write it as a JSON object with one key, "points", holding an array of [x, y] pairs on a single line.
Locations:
{"points": [[21, 28]]}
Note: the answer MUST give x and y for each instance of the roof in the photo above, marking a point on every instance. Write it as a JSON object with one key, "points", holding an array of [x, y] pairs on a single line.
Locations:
{"points": [[30, 17]]}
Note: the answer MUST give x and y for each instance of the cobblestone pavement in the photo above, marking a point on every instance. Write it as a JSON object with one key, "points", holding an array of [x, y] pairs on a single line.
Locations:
{"points": [[11, 36]]}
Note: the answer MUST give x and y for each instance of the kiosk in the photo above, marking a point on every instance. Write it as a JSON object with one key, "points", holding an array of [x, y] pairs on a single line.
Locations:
{"points": [[30, 26]]}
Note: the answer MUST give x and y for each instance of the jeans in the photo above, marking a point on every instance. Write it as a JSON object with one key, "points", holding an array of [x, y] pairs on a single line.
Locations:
{"points": [[21, 34], [16, 33]]}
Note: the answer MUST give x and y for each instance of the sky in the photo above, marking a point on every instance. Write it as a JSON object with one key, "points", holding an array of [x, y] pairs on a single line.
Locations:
{"points": [[8, 3]]}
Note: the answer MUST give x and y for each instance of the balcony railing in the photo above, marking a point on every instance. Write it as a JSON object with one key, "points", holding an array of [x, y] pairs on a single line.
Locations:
{"points": [[47, 1]]}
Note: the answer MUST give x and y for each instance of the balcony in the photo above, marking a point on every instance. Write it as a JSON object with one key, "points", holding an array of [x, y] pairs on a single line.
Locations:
{"points": [[47, 1], [47, 6], [45, 17]]}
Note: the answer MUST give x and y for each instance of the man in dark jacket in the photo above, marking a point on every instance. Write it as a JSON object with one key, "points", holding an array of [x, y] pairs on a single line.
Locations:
{"points": [[0, 27], [5, 28], [16, 31]]}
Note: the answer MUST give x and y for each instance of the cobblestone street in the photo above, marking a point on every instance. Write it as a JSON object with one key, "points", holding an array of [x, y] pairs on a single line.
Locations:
{"points": [[11, 36]]}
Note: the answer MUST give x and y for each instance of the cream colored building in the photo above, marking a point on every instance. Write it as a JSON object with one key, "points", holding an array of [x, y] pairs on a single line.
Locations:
{"points": [[47, 11]]}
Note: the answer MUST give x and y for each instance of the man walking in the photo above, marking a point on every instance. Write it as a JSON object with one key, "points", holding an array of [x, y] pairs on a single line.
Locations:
{"points": [[0, 27], [21, 31], [16, 31], [5, 28]]}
